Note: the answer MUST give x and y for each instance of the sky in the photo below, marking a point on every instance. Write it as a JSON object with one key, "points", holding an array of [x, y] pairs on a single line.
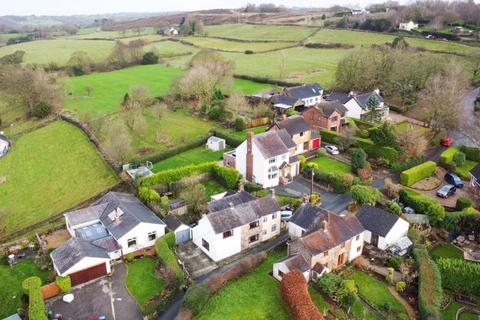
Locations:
{"points": [[72, 7]]}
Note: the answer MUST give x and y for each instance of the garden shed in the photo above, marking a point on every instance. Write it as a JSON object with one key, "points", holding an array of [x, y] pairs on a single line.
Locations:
{"points": [[216, 143]]}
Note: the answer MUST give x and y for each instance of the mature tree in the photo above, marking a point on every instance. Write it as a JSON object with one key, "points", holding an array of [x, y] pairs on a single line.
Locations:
{"points": [[384, 135], [329, 283], [365, 195], [80, 63], [359, 159], [196, 198], [126, 54], [149, 58], [138, 98], [216, 64], [347, 293], [413, 142]]}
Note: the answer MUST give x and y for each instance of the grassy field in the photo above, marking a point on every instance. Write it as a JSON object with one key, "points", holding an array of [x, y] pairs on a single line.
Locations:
{"points": [[11, 289], [110, 35], [254, 296], [59, 51], [447, 251], [171, 48], [451, 312], [141, 280], [219, 44], [212, 188], [330, 165], [259, 32], [194, 156], [47, 171]]}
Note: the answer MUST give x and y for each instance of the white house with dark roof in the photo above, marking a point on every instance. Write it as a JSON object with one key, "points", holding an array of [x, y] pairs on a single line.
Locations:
{"points": [[357, 105], [309, 94], [115, 225], [383, 229], [269, 158], [240, 222]]}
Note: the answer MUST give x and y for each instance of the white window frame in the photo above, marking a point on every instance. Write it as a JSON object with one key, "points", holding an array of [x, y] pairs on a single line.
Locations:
{"points": [[131, 239], [154, 233], [274, 227]]}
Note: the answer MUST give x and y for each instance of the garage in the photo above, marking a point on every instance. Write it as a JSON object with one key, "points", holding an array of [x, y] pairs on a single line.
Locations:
{"points": [[88, 274], [181, 230]]}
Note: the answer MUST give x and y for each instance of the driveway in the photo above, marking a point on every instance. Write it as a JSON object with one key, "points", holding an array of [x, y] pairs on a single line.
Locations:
{"points": [[195, 260], [102, 297]]}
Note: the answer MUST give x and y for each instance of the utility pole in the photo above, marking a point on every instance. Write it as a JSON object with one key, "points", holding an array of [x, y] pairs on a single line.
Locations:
{"points": [[311, 183]]}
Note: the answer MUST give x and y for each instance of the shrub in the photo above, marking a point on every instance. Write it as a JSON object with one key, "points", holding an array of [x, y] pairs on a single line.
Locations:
{"points": [[378, 152], [248, 51], [462, 221], [446, 157], [400, 286], [347, 293], [41, 109], [196, 298], [330, 136], [64, 283], [239, 124], [149, 58], [390, 277], [471, 153], [163, 248], [423, 205], [459, 159], [218, 114], [460, 275], [229, 176], [420, 172], [295, 293], [463, 203], [329, 284], [429, 284], [395, 262], [30, 284], [252, 187], [384, 135], [36, 305], [130, 257], [394, 207], [365, 194], [148, 195], [359, 159]]}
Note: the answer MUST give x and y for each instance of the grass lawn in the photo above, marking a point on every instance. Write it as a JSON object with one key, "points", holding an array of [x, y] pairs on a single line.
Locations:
{"points": [[171, 48], [242, 135], [47, 171], [11, 289], [254, 296], [59, 51], [376, 292], [259, 32], [330, 165], [212, 188], [220, 44], [193, 156], [451, 312], [141, 280], [464, 171], [405, 126], [110, 35], [447, 251], [361, 312]]}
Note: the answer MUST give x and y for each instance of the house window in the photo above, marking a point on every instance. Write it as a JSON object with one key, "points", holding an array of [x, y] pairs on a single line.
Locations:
{"points": [[272, 176], [205, 244], [359, 248], [131, 242], [152, 235], [271, 160], [227, 234], [264, 231], [253, 238], [274, 216], [254, 224], [325, 253], [301, 134], [265, 219], [357, 237], [274, 228]]}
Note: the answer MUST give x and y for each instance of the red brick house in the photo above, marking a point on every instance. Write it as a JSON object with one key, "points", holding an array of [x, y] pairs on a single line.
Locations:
{"points": [[326, 115]]}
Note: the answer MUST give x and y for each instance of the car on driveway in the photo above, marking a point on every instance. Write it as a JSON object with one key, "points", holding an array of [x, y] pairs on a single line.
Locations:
{"points": [[332, 149], [446, 191], [454, 179], [286, 214], [446, 141]]}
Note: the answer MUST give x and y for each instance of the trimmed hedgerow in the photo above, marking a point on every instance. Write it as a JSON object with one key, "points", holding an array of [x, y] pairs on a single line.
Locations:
{"points": [[148, 195], [340, 183], [36, 305], [294, 290], [330, 136], [462, 221], [423, 205], [472, 154], [229, 176], [64, 283], [420, 172], [463, 203], [446, 157], [430, 292], [460, 275]]}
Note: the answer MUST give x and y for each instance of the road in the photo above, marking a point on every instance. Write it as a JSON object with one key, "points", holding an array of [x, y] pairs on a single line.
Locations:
{"points": [[468, 105]]}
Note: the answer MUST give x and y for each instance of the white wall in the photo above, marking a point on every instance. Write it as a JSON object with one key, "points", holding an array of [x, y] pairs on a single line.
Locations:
{"points": [[294, 230], [86, 263], [355, 244], [313, 100], [141, 233], [282, 267], [267, 223], [398, 231], [354, 109], [241, 158]]}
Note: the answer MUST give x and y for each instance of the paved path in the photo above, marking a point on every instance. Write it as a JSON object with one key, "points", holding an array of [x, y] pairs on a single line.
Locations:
{"points": [[125, 307]]}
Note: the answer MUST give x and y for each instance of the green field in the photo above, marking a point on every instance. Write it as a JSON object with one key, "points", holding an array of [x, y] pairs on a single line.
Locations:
{"points": [[110, 35], [447, 251], [171, 48], [59, 51], [330, 165], [220, 44], [142, 281], [11, 289], [259, 32], [254, 296], [193, 156], [212, 188], [48, 171]]}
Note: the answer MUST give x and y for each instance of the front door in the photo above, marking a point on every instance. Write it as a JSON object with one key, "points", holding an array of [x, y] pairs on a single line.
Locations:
{"points": [[341, 259], [374, 239]]}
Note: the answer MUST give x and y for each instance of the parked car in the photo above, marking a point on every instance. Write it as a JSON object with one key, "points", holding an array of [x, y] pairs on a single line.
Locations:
{"points": [[446, 141], [408, 210], [286, 214], [332, 149], [454, 179], [446, 191]]}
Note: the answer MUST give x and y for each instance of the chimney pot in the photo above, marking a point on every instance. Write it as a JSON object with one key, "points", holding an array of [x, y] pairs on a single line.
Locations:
{"points": [[324, 225]]}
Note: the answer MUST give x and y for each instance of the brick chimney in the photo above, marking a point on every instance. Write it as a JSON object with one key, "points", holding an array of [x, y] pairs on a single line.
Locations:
{"points": [[324, 225], [249, 166]]}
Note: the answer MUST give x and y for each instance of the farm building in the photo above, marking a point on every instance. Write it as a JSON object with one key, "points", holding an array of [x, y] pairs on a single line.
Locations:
{"points": [[216, 143]]}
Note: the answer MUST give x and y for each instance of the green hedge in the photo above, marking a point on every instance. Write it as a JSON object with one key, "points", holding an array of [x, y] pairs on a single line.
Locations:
{"points": [[429, 284], [460, 275], [330, 136], [473, 154], [446, 157], [36, 305], [423, 205], [229, 176], [64, 283], [164, 249], [462, 221], [420, 172], [340, 183], [31, 283], [463, 203]]}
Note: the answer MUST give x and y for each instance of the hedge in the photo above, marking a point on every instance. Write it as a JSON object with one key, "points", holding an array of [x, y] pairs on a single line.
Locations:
{"points": [[64, 283], [330, 136], [463, 203], [423, 205], [294, 290], [231, 141], [430, 293], [466, 221], [340, 183], [446, 157], [420, 172], [30, 284], [460, 275], [473, 154], [229, 176], [36, 305], [163, 248]]}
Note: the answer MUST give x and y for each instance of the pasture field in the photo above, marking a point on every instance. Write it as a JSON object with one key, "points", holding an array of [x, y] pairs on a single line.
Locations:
{"points": [[259, 32], [238, 46], [171, 48], [59, 51], [47, 171], [111, 35]]}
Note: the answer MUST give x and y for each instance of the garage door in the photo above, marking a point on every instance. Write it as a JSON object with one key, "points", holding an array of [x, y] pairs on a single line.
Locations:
{"points": [[182, 236], [86, 275]]}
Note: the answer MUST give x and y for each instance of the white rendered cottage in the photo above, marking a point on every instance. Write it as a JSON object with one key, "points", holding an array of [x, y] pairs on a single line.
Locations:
{"points": [[357, 105], [309, 94], [408, 26]]}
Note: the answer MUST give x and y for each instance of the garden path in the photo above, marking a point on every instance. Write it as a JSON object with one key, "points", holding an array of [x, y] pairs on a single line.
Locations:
{"points": [[411, 313]]}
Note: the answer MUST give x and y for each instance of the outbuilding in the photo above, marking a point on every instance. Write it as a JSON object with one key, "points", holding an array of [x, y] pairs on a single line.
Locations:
{"points": [[216, 143], [183, 233]]}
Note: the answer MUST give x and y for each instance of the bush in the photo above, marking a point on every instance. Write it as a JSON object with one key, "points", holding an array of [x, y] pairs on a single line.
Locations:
{"points": [[394, 207], [36, 305], [329, 284], [446, 157], [64, 283], [148, 195], [218, 114], [340, 183], [462, 221], [423, 205], [196, 298], [31, 283], [359, 159], [378, 152], [163, 248], [294, 290], [252, 187], [239, 124], [365, 195], [149, 58], [460, 275], [459, 159], [41, 109], [471, 153], [420, 172], [384, 135], [330, 136], [229, 176], [400, 286], [248, 51], [430, 292], [395, 262], [130, 257], [463, 203]]}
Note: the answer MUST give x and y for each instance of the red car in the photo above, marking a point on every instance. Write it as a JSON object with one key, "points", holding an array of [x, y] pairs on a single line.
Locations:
{"points": [[446, 142]]}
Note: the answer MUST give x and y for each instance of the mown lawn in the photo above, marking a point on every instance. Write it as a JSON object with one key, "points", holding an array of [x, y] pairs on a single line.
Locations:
{"points": [[447, 251], [220, 44], [193, 156], [242, 135], [405, 126], [170, 48], [212, 188], [11, 288], [451, 312], [254, 296], [259, 32], [59, 51], [141, 280], [47, 171], [376, 292], [330, 165]]}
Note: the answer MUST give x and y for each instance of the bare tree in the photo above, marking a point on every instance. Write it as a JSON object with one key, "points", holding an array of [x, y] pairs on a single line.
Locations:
{"points": [[413, 142], [237, 104], [118, 143]]}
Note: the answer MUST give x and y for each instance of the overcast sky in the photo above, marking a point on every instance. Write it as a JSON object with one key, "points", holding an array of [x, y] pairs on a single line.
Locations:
{"points": [[70, 7]]}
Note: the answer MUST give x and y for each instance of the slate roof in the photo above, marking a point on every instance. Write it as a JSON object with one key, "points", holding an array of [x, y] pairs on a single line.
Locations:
{"points": [[309, 217], [341, 97], [242, 214], [305, 91], [108, 243], [475, 172], [377, 220], [294, 125], [273, 143], [339, 230], [172, 222], [363, 98], [283, 99], [215, 139], [229, 200], [328, 108], [85, 215], [295, 262], [73, 251]]}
